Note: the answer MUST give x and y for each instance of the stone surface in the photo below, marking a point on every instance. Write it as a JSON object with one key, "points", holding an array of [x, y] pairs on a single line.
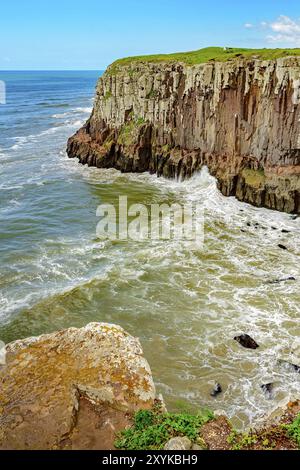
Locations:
{"points": [[246, 341], [178, 443], [216, 433], [239, 118], [196, 447], [45, 380], [216, 390]]}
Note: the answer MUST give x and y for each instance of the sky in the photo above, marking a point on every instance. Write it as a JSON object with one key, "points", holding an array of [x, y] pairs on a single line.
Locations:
{"points": [[90, 34]]}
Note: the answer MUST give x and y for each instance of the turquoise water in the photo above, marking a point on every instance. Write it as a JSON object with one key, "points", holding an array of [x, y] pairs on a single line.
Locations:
{"points": [[185, 304]]}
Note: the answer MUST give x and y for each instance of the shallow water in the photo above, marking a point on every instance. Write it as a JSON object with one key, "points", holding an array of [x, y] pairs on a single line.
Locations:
{"points": [[186, 304]]}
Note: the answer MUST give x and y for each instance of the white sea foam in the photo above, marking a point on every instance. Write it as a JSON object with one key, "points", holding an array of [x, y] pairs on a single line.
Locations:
{"points": [[86, 110]]}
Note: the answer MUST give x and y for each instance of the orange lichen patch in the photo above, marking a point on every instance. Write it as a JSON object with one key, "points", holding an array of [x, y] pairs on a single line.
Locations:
{"points": [[44, 377]]}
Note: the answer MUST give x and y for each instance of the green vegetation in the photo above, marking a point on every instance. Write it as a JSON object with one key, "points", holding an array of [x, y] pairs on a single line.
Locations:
{"points": [[128, 132], [107, 95], [218, 54], [293, 430], [267, 439], [152, 429], [152, 94], [241, 441]]}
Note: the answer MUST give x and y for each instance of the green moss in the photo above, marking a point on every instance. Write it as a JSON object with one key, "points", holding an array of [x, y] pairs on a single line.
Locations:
{"points": [[218, 54], [128, 132], [152, 429], [293, 430], [107, 95], [152, 94], [241, 441], [255, 178], [166, 149]]}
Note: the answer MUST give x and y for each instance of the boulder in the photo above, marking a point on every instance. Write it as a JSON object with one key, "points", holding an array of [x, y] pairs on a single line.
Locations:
{"points": [[178, 443], [46, 378], [216, 390], [246, 341]]}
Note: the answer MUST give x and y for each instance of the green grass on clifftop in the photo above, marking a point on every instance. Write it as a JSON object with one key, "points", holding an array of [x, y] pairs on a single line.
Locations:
{"points": [[218, 54]]}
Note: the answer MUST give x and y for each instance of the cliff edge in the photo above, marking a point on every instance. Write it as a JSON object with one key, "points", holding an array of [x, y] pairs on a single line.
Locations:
{"points": [[239, 116]]}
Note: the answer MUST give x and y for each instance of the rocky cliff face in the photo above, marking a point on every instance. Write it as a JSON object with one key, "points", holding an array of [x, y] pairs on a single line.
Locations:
{"points": [[241, 118]]}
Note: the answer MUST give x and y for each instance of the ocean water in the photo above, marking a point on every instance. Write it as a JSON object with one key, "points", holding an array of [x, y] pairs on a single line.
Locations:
{"points": [[185, 304]]}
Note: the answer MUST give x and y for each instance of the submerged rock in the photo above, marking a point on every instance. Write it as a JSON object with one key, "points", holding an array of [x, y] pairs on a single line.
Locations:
{"points": [[246, 341], [268, 389], [45, 380], [216, 390], [289, 365], [283, 247], [277, 281]]}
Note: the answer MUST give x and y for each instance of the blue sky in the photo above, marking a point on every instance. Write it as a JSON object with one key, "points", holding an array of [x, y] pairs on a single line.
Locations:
{"points": [[77, 34]]}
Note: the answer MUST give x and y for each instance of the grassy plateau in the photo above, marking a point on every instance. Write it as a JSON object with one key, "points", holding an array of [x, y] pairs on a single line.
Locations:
{"points": [[218, 54]]}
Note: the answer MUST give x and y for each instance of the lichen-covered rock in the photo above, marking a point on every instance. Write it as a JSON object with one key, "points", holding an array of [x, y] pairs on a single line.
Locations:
{"points": [[240, 118], [45, 378], [178, 443]]}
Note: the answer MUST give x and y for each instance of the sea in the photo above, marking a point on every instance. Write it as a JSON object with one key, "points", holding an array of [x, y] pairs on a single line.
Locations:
{"points": [[186, 304]]}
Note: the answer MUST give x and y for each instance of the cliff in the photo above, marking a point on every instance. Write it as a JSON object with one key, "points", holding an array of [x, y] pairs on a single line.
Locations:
{"points": [[240, 118]]}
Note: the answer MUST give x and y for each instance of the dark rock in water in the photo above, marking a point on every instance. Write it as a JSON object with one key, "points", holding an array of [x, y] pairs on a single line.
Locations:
{"points": [[294, 217], [290, 365], [244, 231], [216, 390], [248, 223], [246, 341], [276, 281], [268, 389], [273, 228], [285, 231], [283, 247]]}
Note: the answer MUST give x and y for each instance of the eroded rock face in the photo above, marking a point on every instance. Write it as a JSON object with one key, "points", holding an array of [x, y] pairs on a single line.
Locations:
{"points": [[240, 118], [45, 379]]}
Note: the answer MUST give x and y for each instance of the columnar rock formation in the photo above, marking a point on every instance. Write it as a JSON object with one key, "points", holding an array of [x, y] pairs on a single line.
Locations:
{"points": [[241, 118], [50, 384]]}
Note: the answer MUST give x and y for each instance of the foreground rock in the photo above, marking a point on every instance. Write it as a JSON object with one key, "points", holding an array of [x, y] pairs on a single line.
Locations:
{"points": [[72, 389], [246, 341], [178, 443], [240, 118]]}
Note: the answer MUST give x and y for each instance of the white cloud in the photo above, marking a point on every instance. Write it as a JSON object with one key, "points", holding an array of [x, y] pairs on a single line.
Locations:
{"points": [[284, 30], [284, 24]]}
